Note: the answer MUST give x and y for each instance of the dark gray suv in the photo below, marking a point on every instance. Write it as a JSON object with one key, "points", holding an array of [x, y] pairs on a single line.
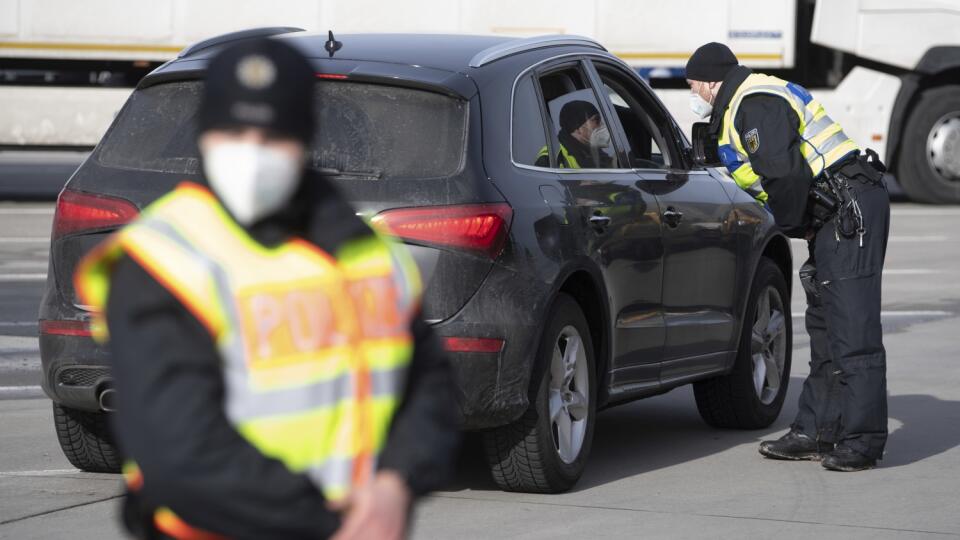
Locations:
{"points": [[559, 286]]}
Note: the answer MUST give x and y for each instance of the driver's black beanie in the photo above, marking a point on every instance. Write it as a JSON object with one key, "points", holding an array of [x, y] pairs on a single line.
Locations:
{"points": [[711, 62]]}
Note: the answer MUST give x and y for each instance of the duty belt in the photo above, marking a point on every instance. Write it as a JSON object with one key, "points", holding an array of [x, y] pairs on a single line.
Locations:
{"points": [[831, 195]]}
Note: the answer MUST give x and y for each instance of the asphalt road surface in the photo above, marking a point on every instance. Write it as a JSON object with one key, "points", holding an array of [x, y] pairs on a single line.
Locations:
{"points": [[656, 470]]}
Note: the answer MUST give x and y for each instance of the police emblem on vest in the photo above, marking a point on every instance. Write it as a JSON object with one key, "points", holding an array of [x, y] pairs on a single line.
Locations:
{"points": [[752, 138], [824, 142]]}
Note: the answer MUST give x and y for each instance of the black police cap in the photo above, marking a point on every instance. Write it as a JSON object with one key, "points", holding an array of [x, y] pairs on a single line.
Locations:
{"points": [[261, 83]]}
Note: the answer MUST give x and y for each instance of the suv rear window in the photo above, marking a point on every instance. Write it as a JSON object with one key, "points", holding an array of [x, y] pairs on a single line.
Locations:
{"points": [[364, 131]]}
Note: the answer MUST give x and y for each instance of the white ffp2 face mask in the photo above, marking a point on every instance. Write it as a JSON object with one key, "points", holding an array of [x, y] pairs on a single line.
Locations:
{"points": [[252, 180], [600, 138], [700, 107]]}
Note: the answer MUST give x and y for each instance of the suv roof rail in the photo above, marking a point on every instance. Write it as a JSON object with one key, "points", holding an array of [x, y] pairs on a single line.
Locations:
{"points": [[516, 46], [234, 36]]}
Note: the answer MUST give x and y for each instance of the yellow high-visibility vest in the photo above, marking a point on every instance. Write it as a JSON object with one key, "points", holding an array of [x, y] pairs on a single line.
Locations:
{"points": [[314, 346], [824, 142], [571, 162]]}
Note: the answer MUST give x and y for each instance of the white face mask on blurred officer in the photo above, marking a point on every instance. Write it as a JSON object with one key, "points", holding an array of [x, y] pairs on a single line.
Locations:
{"points": [[254, 174]]}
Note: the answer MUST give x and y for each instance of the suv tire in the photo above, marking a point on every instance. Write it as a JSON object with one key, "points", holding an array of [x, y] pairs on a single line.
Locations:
{"points": [[528, 455], [85, 439], [751, 395]]}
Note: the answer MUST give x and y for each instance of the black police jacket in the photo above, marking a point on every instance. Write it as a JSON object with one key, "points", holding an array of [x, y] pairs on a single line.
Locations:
{"points": [[784, 172], [170, 417]]}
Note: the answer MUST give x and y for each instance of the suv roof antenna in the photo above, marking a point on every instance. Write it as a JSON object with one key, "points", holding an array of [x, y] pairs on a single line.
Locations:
{"points": [[332, 45]]}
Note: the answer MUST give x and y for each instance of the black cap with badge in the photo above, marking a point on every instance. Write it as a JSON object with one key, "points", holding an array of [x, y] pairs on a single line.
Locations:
{"points": [[261, 83]]}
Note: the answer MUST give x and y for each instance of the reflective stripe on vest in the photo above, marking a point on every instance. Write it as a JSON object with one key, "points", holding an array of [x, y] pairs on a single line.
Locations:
{"points": [[314, 347], [824, 142], [570, 161]]}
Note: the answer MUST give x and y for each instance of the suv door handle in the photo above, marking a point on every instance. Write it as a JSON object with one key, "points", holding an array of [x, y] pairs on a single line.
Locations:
{"points": [[672, 216], [599, 223]]}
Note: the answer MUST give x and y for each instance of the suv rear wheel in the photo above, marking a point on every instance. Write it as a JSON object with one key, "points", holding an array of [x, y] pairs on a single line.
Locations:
{"points": [[85, 440], [545, 451], [751, 396]]}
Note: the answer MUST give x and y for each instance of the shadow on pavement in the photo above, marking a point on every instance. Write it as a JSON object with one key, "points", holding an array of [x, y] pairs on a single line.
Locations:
{"points": [[931, 426], [667, 430], [638, 437]]}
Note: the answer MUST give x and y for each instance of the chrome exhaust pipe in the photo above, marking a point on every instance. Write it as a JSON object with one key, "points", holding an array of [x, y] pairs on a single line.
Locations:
{"points": [[106, 400]]}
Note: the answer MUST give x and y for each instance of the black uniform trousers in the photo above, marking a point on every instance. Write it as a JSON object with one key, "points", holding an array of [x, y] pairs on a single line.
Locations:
{"points": [[844, 399]]}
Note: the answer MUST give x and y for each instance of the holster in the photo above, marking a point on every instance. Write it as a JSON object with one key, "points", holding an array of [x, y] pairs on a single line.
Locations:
{"points": [[822, 204], [808, 279]]}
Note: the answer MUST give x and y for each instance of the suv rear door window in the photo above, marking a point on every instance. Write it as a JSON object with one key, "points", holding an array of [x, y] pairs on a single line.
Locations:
{"points": [[529, 133], [367, 131], [577, 123]]}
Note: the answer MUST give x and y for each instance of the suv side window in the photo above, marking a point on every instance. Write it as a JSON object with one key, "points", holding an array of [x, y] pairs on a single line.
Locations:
{"points": [[649, 148], [529, 131], [579, 137]]}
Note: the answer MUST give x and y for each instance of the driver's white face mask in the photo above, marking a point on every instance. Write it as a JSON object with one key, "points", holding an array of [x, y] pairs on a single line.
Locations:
{"points": [[252, 180], [600, 138]]}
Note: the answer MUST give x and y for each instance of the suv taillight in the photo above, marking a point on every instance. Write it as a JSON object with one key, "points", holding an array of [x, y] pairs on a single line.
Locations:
{"points": [[65, 328], [78, 211], [474, 227]]}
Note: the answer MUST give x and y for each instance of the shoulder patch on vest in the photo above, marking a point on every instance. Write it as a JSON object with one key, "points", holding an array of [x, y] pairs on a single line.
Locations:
{"points": [[752, 141]]}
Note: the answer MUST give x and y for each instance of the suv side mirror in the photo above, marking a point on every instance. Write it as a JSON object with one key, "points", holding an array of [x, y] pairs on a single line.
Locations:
{"points": [[704, 146]]}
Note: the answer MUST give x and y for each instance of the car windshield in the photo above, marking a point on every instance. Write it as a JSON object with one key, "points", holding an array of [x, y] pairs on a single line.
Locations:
{"points": [[365, 131]]}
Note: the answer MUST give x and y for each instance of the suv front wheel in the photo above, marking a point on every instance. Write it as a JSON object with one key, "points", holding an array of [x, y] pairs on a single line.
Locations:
{"points": [[751, 395], [546, 449]]}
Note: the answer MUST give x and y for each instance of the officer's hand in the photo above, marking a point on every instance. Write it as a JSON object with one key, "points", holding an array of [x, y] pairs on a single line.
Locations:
{"points": [[377, 510]]}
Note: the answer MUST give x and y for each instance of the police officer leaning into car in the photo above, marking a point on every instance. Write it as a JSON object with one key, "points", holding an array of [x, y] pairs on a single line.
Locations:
{"points": [[780, 146], [274, 377]]}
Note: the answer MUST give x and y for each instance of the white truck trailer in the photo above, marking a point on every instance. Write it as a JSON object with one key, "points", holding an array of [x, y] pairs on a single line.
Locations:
{"points": [[888, 70]]}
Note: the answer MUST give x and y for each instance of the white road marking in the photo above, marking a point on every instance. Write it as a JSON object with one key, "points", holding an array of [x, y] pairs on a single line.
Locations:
{"points": [[920, 238], [906, 313], [18, 343], [25, 240], [910, 271], [45, 472], [17, 324], [21, 391], [925, 212], [901, 238], [6, 278], [22, 264], [26, 211]]}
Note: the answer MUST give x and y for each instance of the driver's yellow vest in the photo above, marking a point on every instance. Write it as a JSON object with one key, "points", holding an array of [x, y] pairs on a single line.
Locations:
{"points": [[566, 161], [824, 142], [313, 346]]}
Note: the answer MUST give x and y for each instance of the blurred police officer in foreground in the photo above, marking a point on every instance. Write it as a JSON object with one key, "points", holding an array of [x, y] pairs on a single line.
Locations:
{"points": [[781, 147], [274, 377]]}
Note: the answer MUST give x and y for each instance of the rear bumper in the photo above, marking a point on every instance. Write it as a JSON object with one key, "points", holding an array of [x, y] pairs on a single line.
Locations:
{"points": [[492, 388], [75, 371]]}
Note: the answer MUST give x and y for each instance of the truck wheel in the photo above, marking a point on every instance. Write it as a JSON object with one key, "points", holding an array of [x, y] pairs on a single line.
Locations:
{"points": [[86, 440], [751, 396], [545, 451], [929, 159]]}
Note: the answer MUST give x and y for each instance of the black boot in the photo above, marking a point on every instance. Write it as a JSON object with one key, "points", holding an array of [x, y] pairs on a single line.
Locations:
{"points": [[843, 458], [794, 446]]}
